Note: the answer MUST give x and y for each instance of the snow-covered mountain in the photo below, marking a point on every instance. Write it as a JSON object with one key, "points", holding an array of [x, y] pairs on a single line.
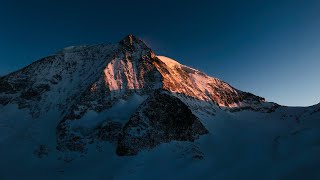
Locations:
{"points": [[119, 111]]}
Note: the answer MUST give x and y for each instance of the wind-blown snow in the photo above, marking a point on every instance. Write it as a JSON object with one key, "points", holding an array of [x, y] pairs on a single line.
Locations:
{"points": [[119, 112], [169, 62]]}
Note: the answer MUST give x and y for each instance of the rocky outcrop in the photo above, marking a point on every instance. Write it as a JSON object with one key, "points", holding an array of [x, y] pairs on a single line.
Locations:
{"points": [[109, 131], [41, 151], [160, 119]]}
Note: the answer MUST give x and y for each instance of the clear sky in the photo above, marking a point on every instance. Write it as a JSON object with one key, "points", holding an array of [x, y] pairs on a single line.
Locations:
{"points": [[270, 48]]}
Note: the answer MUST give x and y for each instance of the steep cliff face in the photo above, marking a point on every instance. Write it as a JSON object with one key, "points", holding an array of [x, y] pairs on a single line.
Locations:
{"points": [[129, 72], [160, 119]]}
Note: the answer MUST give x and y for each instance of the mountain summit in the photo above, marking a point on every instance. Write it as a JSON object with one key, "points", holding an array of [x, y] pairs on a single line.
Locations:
{"points": [[129, 40], [126, 100]]}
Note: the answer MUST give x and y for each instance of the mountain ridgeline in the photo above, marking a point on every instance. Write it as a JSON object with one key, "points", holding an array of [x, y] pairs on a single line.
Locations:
{"points": [[87, 79], [117, 111]]}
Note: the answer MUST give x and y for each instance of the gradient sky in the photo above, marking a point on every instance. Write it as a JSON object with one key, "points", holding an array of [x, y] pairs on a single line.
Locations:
{"points": [[270, 48]]}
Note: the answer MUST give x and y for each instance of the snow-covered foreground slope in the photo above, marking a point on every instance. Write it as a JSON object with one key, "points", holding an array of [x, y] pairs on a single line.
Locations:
{"points": [[245, 145], [119, 112]]}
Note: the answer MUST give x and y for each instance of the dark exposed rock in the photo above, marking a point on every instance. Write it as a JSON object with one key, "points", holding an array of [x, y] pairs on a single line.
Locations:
{"points": [[55, 79], [189, 151], [251, 97], [109, 131], [129, 42], [257, 108], [67, 140], [316, 109], [35, 92], [72, 140], [5, 86], [4, 100], [41, 151], [72, 143], [160, 119]]}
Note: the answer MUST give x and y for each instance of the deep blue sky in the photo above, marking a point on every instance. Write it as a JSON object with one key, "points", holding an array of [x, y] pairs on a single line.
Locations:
{"points": [[270, 48]]}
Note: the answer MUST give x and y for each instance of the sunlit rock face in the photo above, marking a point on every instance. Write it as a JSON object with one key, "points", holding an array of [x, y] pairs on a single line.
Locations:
{"points": [[191, 82], [129, 71]]}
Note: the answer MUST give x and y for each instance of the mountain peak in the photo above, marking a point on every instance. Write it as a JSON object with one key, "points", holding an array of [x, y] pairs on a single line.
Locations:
{"points": [[129, 40]]}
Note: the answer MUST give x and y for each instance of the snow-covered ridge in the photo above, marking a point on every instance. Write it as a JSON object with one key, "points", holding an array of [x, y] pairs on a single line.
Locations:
{"points": [[179, 78], [115, 68], [172, 63], [168, 61]]}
